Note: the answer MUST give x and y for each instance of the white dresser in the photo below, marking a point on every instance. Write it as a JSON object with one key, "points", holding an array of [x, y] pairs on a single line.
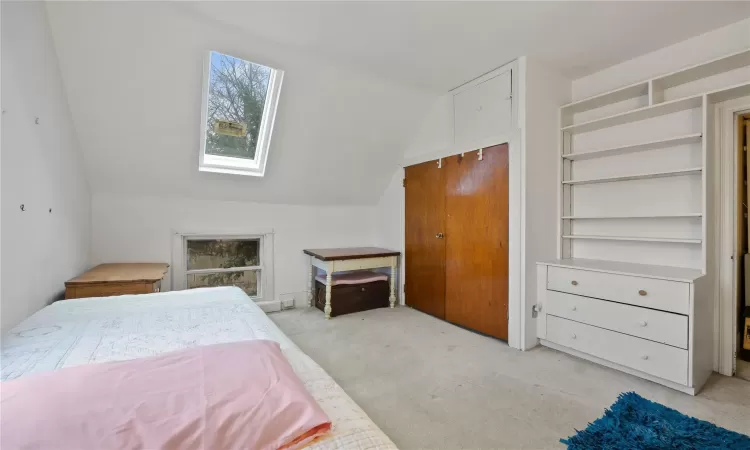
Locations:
{"points": [[655, 322]]}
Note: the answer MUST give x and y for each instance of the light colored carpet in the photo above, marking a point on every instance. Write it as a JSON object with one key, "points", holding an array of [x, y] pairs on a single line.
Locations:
{"points": [[429, 384]]}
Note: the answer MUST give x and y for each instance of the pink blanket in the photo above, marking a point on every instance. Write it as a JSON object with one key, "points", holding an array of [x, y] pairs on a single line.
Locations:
{"points": [[242, 395]]}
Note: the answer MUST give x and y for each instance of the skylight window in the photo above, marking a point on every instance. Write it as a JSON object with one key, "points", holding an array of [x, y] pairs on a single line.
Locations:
{"points": [[239, 106]]}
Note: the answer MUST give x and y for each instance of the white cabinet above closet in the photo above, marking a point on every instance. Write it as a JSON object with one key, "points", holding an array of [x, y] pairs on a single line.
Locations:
{"points": [[482, 109]]}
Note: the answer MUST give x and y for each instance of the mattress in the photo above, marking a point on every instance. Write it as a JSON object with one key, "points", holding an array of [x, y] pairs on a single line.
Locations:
{"points": [[93, 330]]}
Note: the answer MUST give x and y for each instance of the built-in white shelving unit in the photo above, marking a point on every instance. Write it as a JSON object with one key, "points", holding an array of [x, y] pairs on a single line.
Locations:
{"points": [[633, 164]]}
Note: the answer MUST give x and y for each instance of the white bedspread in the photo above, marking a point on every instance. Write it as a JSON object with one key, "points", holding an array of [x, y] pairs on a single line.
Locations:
{"points": [[84, 331]]}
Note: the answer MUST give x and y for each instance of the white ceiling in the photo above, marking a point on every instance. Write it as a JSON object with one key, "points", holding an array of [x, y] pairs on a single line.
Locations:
{"points": [[441, 45], [359, 77]]}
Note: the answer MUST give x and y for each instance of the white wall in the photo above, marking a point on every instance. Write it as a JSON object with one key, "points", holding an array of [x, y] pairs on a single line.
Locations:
{"points": [[41, 169], [698, 49], [434, 135], [543, 90], [128, 228]]}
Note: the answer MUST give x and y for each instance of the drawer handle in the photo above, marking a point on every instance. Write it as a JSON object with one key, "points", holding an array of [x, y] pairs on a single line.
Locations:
{"points": [[574, 283], [573, 335], [363, 289], [643, 323], [642, 293], [574, 308], [644, 357]]}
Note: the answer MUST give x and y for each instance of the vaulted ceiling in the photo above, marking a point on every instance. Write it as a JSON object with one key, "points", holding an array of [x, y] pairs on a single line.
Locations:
{"points": [[359, 76]]}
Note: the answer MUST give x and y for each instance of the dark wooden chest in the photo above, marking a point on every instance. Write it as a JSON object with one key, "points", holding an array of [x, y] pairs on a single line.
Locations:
{"points": [[350, 298]]}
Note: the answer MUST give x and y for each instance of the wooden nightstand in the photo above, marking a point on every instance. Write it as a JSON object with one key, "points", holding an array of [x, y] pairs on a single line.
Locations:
{"points": [[106, 280]]}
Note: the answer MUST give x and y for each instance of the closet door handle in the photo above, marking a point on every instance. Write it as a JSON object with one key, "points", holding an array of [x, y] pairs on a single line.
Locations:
{"points": [[574, 283], [439, 235], [642, 293]]}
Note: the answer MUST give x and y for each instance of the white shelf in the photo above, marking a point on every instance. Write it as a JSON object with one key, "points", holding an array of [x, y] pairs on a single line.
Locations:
{"points": [[634, 238], [642, 216], [647, 112], [707, 69], [638, 176], [729, 93], [625, 268], [614, 96], [633, 148]]}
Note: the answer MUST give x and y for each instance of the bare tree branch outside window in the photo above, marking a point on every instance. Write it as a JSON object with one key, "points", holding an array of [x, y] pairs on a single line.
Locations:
{"points": [[237, 92]]}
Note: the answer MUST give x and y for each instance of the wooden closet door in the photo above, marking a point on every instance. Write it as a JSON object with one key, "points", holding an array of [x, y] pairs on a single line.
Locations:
{"points": [[476, 235], [425, 246]]}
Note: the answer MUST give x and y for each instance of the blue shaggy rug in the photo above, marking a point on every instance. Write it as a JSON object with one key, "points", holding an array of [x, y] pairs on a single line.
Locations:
{"points": [[636, 423]]}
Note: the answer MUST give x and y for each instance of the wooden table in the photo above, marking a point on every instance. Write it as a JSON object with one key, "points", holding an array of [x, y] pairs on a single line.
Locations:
{"points": [[332, 260], [106, 280]]}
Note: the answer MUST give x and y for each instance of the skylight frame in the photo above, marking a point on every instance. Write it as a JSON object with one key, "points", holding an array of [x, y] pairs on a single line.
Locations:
{"points": [[235, 165]]}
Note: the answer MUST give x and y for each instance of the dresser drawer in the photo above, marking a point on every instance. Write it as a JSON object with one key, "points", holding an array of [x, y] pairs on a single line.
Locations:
{"points": [[660, 360], [659, 326], [648, 292]]}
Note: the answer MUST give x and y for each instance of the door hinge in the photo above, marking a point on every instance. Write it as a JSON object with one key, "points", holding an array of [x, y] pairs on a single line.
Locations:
{"points": [[535, 310], [480, 154], [403, 182], [440, 163]]}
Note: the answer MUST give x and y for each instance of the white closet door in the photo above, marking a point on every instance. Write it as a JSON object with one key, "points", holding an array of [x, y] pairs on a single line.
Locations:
{"points": [[483, 111]]}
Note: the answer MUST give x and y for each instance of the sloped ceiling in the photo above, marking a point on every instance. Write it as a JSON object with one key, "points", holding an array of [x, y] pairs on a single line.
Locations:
{"points": [[133, 72], [359, 77]]}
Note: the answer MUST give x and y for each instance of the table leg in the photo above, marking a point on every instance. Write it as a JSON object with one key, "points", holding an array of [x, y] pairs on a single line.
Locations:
{"points": [[392, 298], [310, 285], [328, 308]]}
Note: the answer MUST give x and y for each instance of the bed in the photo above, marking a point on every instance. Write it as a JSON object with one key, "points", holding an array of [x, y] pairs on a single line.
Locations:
{"points": [[93, 330]]}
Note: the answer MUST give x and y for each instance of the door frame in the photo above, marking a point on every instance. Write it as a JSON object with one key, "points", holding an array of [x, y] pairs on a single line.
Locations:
{"points": [[517, 322], [725, 261]]}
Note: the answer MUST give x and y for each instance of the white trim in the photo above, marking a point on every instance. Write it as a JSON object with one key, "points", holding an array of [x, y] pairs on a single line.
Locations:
{"points": [[518, 322], [232, 165], [266, 295], [487, 76], [725, 267], [231, 269]]}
